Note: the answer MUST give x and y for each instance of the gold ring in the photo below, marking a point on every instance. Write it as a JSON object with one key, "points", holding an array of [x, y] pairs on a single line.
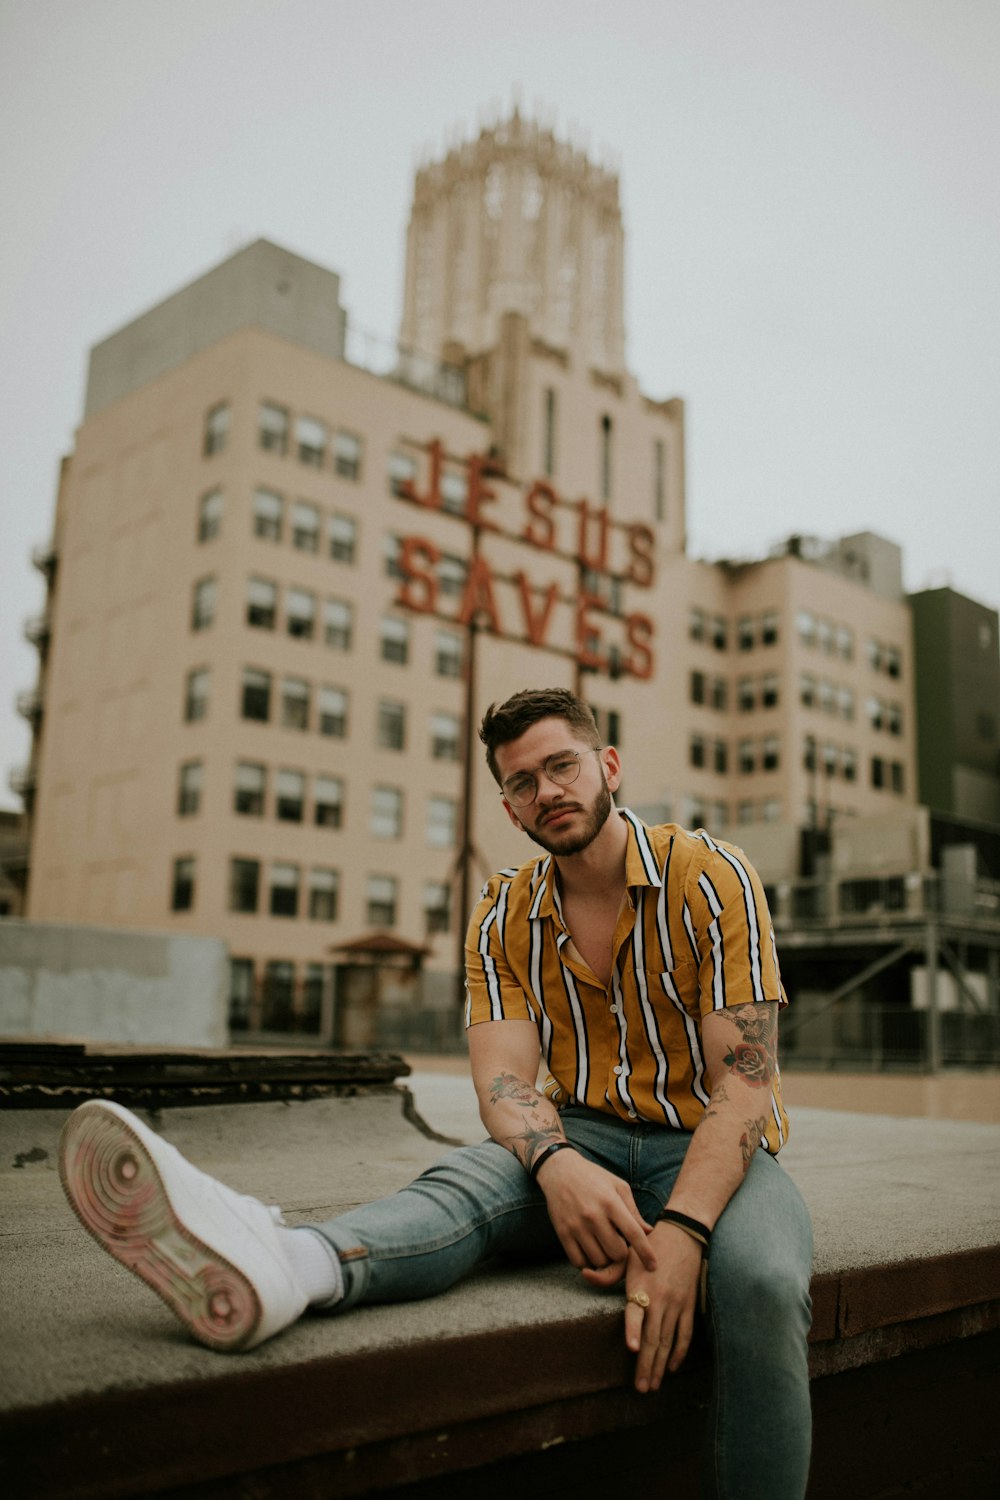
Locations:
{"points": [[641, 1299]]}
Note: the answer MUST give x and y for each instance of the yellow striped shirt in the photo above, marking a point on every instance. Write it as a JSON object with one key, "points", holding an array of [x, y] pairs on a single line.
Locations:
{"points": [[694, 935]]}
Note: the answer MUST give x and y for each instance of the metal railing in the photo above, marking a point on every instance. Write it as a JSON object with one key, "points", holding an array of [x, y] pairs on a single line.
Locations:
{"points": [[409, 367], [861, 1037], [886, 899]]}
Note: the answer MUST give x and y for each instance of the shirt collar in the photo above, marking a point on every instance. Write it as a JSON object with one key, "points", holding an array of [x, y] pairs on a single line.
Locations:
{"points": [[640, 868]]}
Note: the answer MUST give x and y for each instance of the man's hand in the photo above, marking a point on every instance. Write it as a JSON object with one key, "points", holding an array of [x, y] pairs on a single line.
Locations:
{"points": [[593, 1213], [659, 1334]]}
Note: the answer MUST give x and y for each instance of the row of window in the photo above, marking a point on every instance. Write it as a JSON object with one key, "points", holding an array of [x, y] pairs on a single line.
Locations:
{"points": [[271, 518], [825, 635], [750, 630], [764, 692], [310, 439], [751, 755], [324, 807], [288, 890]]}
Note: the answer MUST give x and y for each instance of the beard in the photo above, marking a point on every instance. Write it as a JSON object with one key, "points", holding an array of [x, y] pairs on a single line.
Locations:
{"points": [[563, 844]]}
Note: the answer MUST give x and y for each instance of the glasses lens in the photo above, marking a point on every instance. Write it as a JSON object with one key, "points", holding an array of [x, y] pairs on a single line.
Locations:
{"points": [[520, 790], [563, 768]]}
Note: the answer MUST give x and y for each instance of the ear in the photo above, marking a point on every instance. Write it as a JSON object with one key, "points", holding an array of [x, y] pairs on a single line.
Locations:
{"points": [[612, 767], [512, 815]]}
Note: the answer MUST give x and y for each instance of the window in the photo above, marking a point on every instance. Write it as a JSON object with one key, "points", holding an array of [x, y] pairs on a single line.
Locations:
{"points": [[770, 810], [402, 468], [338, 624], [272, 427], [196, 688], [825, 637], [809, 753], [720, 633], [720, 814], [347, 455], [343, 533], [300, 614], [244, 884], [284, 900], [182, 890], [893, 661], [747, 756], [769, 691], [845, 642], [746, 695], [720, 758], [210, 515], [549, 432], [745, 812], [896, 770], [390, 730], [873, 708], [894, 718], [696, 751], [332, 708], [256, 694], [451, 575], [453, 492], [279, 995], [769, 628], [268, 513], [216, 429], [310, 1017], [189, 788], [305, 527], [745, 633], [606, 456], [849, 765], [447, 653], [394, 639], [249, 788], [290, 796], [262, 603], [310, 441], [659, 480], [770, 753], [845, 702], [392, 549], [831, 756], [873, 652], [805, 624], [609, 724], [696, 624], [445, 735], [241, 988], [386, 820], [437, 906], [827, 696], [295, 703], [328, 802], [878, 772], [381, 900], [324, 888], [697, 687], [203, 604], [720, 693], [442, 822], [807, 690]]}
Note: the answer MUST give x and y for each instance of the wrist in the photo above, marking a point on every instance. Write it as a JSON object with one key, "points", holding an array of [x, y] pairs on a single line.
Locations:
{"points": [[542, 1157], [693, 1228]]}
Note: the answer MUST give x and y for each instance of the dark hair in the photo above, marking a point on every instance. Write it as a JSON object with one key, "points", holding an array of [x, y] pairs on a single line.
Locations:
{"points": [[507, 721]]}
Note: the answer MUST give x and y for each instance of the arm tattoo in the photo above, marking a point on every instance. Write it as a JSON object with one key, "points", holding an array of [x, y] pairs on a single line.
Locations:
{"points": [[719, 1096], [751, 1139], [509, 1086], [755, 1058], [527, 1145]]}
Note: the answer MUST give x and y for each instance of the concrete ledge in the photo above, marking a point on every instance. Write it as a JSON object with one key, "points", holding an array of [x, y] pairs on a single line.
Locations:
{"points": [[103, 1396]]}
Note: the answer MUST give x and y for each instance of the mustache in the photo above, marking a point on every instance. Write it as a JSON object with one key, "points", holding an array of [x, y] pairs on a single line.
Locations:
{"points": [[563, 807]]}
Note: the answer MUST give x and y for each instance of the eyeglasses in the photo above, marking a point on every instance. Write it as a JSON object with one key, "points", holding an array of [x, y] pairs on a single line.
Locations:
{"points": [[563, 768]]}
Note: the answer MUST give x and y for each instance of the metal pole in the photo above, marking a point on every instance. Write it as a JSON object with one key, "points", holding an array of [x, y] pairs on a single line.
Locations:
{"points": [[465, 856], [933, 1013]]}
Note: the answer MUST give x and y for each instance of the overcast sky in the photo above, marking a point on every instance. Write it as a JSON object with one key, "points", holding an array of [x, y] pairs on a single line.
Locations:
{"points": [[811, 194]]}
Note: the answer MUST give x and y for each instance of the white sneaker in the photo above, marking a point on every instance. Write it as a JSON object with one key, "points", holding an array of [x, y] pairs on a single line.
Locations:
{"points": [[213, 1255]]}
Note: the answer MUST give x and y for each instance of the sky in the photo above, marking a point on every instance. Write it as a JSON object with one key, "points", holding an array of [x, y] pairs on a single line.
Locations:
{"points": [[810, 190]]}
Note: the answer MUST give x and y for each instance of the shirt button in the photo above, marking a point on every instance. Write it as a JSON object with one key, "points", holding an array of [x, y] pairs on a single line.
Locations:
{"points": [[614, 1010], [631, 1114], [618, 1072]]}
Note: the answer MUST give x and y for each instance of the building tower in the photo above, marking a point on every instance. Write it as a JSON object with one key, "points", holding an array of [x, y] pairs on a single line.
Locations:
{"points": [[516, 221]]}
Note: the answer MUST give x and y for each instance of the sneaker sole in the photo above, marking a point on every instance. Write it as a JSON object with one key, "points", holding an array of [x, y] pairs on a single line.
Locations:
{"points": [[117, 1193]]}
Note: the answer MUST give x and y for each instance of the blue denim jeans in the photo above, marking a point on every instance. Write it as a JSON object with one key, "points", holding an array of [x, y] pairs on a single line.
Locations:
{"points": [[478, 1202]]}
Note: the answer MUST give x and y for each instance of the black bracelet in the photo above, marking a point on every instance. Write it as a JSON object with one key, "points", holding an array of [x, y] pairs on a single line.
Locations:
{"points": [[690, 1226], [544, 1155]]}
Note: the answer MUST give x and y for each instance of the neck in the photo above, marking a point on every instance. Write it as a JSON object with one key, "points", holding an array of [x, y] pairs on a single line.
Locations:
{"points": [[601, 866]]}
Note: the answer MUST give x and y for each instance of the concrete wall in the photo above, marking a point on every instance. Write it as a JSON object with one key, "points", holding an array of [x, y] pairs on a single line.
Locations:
{"points": [[102, 985]]}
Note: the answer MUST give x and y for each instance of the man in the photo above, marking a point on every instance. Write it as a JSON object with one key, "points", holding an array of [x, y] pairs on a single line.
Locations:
{"points": [[639, 963]]}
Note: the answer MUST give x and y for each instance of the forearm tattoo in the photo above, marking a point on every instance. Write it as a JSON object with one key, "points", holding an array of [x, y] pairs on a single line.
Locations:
{"points": [[527, 1145], [751, 1139], [755, 1058], [509, 1086]]}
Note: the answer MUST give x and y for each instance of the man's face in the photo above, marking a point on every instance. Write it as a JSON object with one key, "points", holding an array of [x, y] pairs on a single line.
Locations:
{"points": [[562, 819]]}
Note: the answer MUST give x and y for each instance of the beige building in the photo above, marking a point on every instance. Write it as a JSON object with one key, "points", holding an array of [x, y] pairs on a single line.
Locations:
{"points": [[269, 608]]}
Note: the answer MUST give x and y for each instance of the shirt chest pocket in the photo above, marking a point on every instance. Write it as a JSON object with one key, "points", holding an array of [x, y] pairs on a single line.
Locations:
{"points": [[675, 986]]}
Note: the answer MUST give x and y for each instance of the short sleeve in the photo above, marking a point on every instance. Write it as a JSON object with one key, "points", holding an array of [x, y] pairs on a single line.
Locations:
{"points": [[493, 990], [737, 955]]}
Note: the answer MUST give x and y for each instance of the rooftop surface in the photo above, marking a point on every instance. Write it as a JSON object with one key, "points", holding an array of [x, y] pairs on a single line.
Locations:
{"points": [[907, 1225]]}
